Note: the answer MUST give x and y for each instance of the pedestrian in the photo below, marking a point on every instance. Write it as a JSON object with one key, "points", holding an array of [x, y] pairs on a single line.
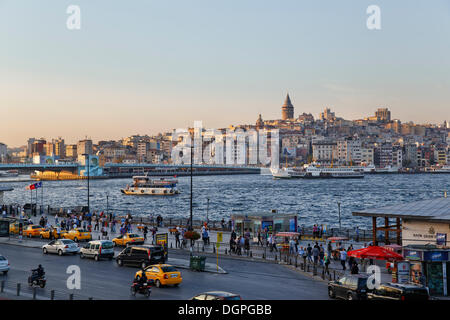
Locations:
{"points": [[321, 254], [343, 258], [327, 263], [177, 238], [145, 230], [309, 253], [354, 269], [315, 253]]}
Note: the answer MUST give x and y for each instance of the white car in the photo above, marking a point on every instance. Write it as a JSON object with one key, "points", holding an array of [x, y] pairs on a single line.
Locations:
{"points": [[4, 265], [61, 246]]}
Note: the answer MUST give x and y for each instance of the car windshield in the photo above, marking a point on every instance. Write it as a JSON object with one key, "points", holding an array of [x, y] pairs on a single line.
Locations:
{"points": [[36, 227], [2, 258], [168, 269], [133, 235], [66, 241], [233, 298], [107, 245]]}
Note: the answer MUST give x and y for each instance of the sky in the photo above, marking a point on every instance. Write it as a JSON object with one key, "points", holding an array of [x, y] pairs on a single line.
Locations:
{"points": [[145, 66]]}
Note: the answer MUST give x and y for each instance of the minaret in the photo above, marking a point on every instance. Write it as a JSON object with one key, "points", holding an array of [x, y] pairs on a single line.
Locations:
{"points": [[287, 109]]}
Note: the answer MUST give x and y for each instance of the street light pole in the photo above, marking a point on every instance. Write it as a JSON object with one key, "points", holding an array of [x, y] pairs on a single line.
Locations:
{"points": [[339, 211], [88, 172], [207, 210], [107, 204], [192, 157]]}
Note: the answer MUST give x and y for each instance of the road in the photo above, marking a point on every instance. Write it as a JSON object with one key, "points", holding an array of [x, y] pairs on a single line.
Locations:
{"points": [[106, 280]]}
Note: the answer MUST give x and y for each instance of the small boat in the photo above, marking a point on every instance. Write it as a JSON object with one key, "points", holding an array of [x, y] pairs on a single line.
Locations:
{"points": [[9, 173], [145, 185]]}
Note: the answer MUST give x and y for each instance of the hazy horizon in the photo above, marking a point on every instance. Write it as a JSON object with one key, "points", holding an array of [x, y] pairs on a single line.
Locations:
{"points": [[146, 67]]}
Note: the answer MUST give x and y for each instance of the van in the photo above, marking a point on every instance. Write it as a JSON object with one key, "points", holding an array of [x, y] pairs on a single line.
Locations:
{"points": [[141, 256], [98, 249]]}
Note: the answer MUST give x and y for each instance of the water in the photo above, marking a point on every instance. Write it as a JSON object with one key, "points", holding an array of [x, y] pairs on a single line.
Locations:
{"points": [[314, 200]]}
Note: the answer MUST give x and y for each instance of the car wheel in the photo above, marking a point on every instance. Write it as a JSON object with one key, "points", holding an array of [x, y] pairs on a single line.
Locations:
{"points": [[45, 251], [81, 255], [350, 296], [42, 285], [110, 258], [96, 257], [5, 273], [331, 293], [158, 283], [60, 253], [147, 294], [119, 262], [176, 284]]}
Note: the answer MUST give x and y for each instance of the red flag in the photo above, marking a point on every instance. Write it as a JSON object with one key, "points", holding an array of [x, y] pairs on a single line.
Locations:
{"points": [[32, 187]]}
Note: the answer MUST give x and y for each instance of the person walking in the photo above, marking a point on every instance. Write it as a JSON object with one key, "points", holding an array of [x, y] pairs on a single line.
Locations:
{"points": [[354, 269], [315, 253], [177, 238], [343, 258], [326, 262], [145, 231]]}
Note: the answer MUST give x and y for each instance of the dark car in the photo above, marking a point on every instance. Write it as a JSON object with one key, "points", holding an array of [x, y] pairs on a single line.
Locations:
{"points": [[217, 295], [141, 256], [398, 291], [350, 287]]}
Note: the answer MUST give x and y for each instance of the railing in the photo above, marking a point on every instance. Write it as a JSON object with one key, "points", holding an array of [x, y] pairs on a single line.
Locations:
{"points": [[23, 290]]}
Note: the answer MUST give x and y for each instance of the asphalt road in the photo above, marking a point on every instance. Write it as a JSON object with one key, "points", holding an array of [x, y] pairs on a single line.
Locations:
{"points": [[106, 280]]}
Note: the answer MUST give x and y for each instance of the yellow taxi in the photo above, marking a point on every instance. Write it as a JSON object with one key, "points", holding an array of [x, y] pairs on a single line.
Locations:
{"points": [[162, 275], [45, 234], [33, 230], [77, 234], [128, 238], [14, 227]]}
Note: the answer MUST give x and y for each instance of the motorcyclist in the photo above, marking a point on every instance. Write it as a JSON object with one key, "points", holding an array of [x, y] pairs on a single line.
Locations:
{"points": [[140, 280], [37, 273]]}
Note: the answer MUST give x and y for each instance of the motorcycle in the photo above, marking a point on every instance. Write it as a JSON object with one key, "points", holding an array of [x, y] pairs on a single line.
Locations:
{"points": [[144, 289], [34, 280]]}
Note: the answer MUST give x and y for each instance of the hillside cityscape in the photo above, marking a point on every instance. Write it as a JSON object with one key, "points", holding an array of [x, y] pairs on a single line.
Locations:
{"points": [[378, 140]]}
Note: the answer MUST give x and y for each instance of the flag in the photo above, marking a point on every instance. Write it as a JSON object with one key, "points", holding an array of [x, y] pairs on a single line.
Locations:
{"points": [[38, 184], [31, 187]]}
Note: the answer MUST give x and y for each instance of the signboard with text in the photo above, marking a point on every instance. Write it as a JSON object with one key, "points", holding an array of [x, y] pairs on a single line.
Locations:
{"points": [[163, 239]]}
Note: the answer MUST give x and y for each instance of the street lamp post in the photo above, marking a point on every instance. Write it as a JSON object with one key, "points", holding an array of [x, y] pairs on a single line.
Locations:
{"points": [[192, 157], [339, 211], [107, 204], [88, 173], [207, 211]]}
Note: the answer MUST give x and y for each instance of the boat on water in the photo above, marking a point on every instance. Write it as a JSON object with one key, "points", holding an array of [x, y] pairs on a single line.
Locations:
{"points": [[9, 173], [316, 171], [286, 173], [387, 169], [443, 169], [145, 185]]}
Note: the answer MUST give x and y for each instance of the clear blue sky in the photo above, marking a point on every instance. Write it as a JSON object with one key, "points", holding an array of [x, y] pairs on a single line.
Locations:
{"points": [[145, 66]]}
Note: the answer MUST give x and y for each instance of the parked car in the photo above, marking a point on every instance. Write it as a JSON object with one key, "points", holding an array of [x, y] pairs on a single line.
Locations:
{"points": [[4, 265], [141, 256], [350, 287], [217, 295], [127, 239], [77, 234], [399, 291], [61, 246], [32, 230], [162, 275], [98, 249]]}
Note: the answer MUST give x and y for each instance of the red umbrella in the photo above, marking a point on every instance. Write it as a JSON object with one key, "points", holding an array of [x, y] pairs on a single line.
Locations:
{"points": [[375, 252]]}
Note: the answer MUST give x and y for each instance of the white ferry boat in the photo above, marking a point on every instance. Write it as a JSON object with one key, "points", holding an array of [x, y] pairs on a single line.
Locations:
{"points": [[314, 171], [387, 169], [144, 185], [286, 173], [9, 173], [443, 169]]}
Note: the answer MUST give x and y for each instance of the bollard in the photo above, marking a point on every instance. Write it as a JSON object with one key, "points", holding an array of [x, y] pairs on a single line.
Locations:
{"points": [[203, 248], [18, 289], [71, 296], [171, 245], [275, 257], [307, 268], [296, 261], [225, 250], [334, 275], [34, 293], [2, 287], [52, 295], [315, 270], [323, 274], [214, 249], [251, 254], [264, 256], [329, 276]]}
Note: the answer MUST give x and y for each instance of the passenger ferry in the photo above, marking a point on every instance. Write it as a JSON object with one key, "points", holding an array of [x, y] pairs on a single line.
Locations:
{"points": [[287, 173], [145, 185], [314, 171], [9, 173]]}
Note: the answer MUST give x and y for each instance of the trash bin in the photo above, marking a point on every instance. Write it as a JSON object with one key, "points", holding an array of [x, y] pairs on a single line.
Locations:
{"points": [[197, 263]]}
